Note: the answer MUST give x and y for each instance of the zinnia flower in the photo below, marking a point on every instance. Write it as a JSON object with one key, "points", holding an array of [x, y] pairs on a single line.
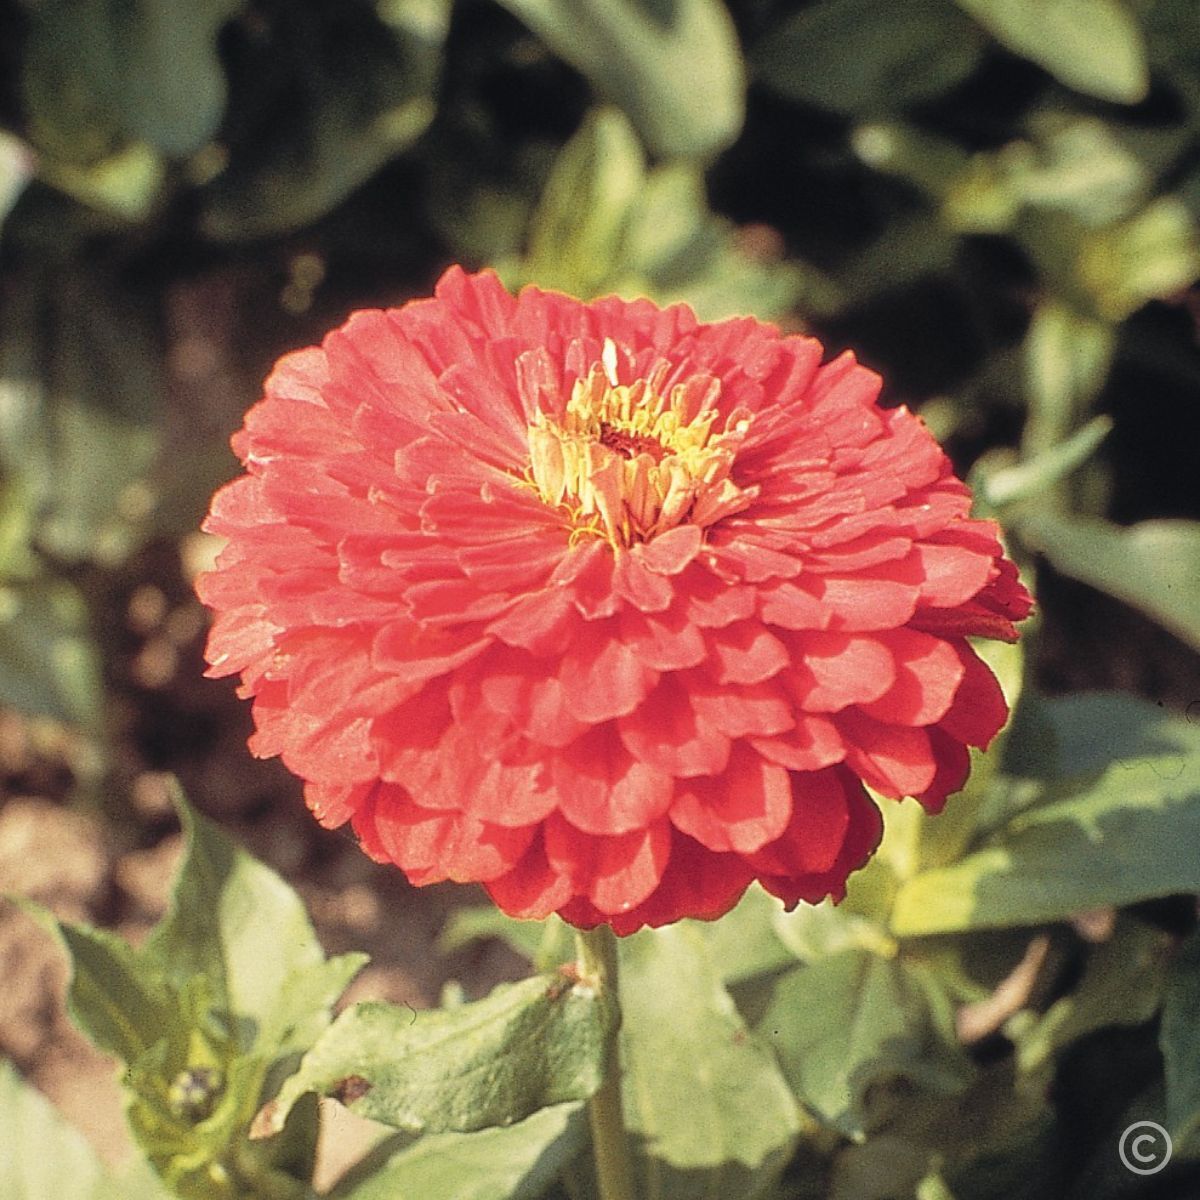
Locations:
{"points": [[604, 608]]}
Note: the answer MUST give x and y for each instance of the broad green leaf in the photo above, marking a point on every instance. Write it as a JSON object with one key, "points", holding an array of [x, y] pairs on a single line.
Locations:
{"points": [[229, 988], [96, 71], [748, 942], [704, 1100], [1154, 565], [545, 943], [1120, 827], [673, 67], [843, 1023], [928, 161], [1094, 46], [860, 57], [576, 234], [1087, 732], [69, 81], [126, 185], [676, 249], [527, 1045], [359, 88], [172, 85], [122, 1006], [1179, 1037], [79, 429], [519, 1162], [48, 660], [816, 931], [44, 1158], [933, 1187], [234, 921]]}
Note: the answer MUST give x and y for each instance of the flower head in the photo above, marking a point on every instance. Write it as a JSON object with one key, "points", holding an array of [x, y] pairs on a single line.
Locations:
{"points": [[604, 608]]}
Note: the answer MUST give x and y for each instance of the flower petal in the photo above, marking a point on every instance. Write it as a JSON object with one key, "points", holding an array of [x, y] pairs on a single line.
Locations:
{"points": [[979, 710], [665, 733], [834, 670], [863, 834], [745, 652], [614, 873], [435, 845], [811, 743], [747, 806], [928, 674], [896, 760], [603, 789], [602, 678], [813, 837], [532, 889]]}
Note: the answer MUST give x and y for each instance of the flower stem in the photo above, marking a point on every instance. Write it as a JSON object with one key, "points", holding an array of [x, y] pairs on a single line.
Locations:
{"points": [[597, 961]]}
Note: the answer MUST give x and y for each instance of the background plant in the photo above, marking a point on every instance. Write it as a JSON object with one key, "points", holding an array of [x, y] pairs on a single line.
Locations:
{"points": [[995, 203]]}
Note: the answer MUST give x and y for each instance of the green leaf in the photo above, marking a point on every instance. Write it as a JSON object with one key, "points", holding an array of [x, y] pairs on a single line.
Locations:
{"points": [[1067, 357], [1088, 732], [843, 1023], [748, 941], [1154, 565], [704, 1100], [172, 86], [79, 363], [857, 56], [235, 922], [672, 65], [48, 660], [546, 943], [1150, 255], [1035, 477], [606, 224], [123, 1008], [230, 987], [1094, 46], [491, 1062], [519, 1162], [1123, 832], [1179, 1037], [815, 931], [41, 1156], [350, 90], [1065, 163], [97, 71], [576, 234], [70, 81], [125, 185]]}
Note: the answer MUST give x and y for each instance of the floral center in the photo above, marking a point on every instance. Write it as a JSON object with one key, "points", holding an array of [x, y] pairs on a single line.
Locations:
{"points": [[630, 461]]}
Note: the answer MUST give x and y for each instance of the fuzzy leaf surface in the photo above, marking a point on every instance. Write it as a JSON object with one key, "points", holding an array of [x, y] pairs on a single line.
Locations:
{"points": [[527, 1045]]}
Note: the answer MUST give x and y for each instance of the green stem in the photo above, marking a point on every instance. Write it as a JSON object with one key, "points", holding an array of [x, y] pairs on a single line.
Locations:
{"points": [[597, 951]]}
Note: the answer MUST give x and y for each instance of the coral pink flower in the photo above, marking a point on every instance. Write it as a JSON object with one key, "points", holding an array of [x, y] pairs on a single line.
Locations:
{"points": [[604, 608]]}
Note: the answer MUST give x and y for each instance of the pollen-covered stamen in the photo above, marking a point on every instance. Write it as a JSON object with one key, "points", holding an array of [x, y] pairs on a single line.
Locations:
{"points": [[630, 461]]}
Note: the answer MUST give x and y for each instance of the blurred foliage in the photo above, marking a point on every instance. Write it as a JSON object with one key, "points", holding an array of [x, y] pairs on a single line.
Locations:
{"points": [[995, 202]]}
